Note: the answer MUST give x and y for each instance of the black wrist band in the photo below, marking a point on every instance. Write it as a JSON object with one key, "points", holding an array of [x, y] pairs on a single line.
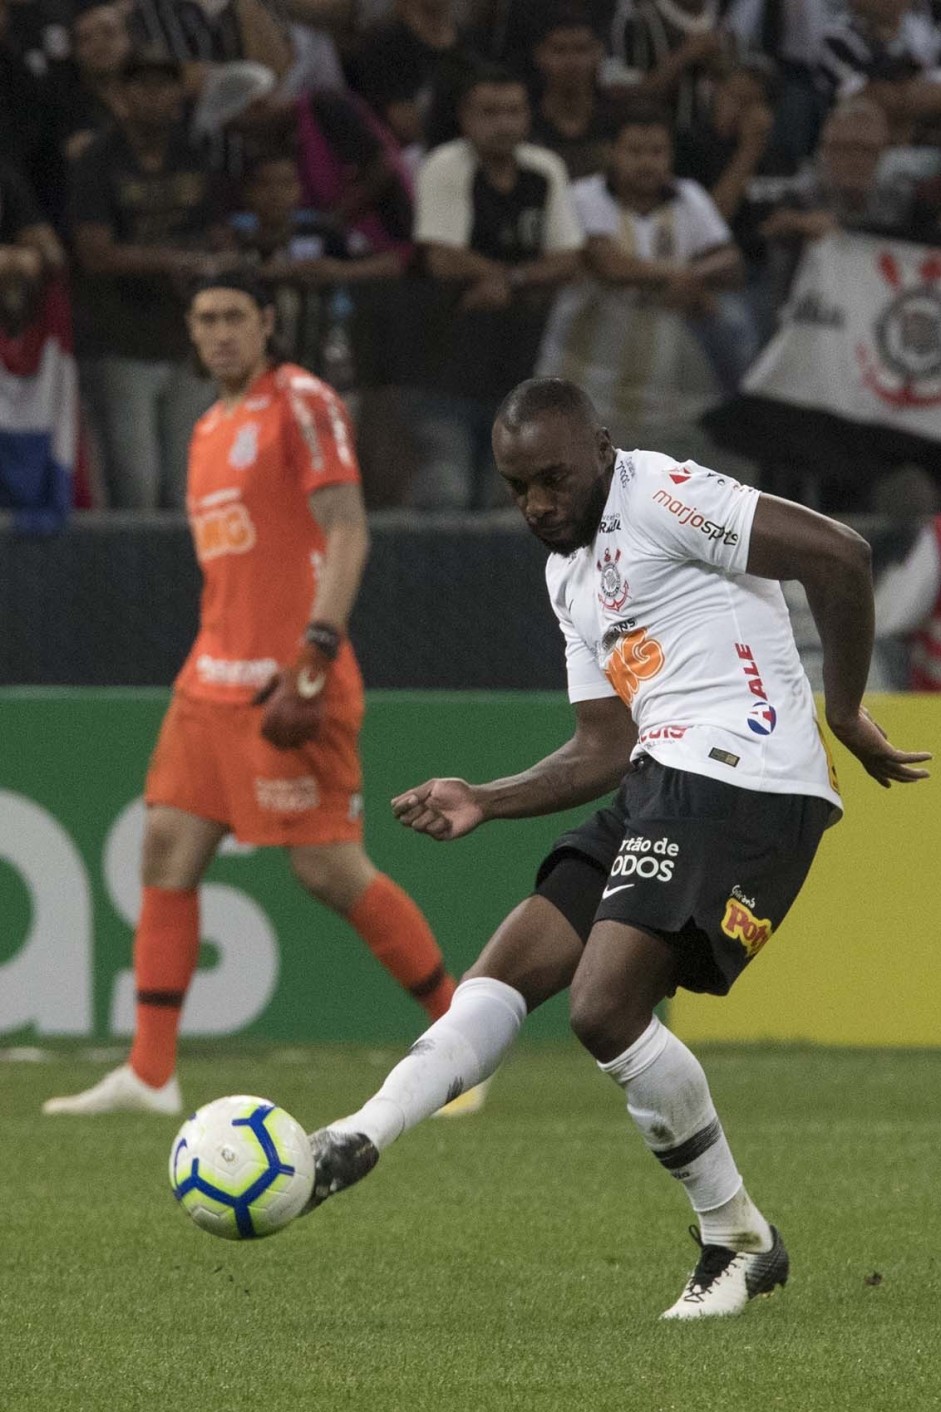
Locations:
{"points": [[324, 637]]}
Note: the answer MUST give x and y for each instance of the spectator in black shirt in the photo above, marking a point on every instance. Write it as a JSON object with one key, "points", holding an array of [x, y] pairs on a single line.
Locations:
{"points": [[885, 49], [303, 252], [39, 34], [27, 135], [572, 116], [351, 168], [145, 214], [91, 96], [671, 52], [731, 153], [399, 62], [29, 250]]}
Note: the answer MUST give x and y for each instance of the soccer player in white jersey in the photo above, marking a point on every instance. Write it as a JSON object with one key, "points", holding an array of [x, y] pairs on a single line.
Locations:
{"points": [[688, 694]]}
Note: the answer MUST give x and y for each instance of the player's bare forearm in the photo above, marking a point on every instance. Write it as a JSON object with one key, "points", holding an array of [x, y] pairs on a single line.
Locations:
{"points": [[591, 764], [833, 564], [339, 510], [562, 780]]}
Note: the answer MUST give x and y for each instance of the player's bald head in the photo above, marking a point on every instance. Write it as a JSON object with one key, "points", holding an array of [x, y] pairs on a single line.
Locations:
{"points": [[556, 458], [537, 397]]}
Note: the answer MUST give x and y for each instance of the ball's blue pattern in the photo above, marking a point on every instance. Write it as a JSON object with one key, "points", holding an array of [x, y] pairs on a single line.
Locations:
{"points": [[241, 1204]]}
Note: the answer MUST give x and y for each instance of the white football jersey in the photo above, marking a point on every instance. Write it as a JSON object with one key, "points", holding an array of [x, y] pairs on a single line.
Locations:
{"points": [[659, 610]]}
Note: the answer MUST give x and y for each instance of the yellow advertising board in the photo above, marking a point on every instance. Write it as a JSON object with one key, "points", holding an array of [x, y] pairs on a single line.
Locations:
{"points": [[858, 959]]}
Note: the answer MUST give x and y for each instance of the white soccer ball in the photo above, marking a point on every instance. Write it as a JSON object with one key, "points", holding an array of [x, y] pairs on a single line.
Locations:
{"points": [[241, 1167]]}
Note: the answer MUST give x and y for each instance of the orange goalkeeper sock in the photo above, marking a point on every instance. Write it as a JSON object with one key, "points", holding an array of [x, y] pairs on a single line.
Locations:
{"points": [[166, 947], [396, 932]]}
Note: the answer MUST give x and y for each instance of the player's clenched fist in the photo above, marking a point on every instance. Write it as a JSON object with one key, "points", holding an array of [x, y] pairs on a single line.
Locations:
{"points": [[444, 809], [293, 698]]}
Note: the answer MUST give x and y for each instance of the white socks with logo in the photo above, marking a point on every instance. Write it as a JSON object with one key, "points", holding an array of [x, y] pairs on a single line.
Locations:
{"points": [[668, 1098], [465, 1046]]}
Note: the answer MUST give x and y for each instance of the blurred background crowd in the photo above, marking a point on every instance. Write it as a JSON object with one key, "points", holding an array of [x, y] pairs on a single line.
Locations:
{"points": [[448, 196]]}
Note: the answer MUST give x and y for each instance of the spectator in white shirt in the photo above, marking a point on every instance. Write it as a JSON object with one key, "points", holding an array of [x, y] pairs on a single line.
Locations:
{"points": [[660, 256], [498, 233]]}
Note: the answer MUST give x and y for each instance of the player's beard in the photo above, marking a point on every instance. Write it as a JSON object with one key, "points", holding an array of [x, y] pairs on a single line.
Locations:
{"points": [[585, 527]]}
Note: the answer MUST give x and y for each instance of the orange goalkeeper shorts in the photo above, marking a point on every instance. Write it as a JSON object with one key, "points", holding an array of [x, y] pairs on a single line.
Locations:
{"points": [[211, 760]]}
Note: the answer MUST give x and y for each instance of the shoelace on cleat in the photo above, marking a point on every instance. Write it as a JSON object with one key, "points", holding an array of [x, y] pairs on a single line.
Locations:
{"points": [[714, 1261]]}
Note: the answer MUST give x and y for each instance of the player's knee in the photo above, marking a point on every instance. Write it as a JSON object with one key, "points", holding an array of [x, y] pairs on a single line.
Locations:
{"points": [[160, 855], [337, 875], [314, 873], [593, 1017]]}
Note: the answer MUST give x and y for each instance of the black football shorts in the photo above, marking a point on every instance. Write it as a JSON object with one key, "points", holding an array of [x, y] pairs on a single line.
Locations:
{"points": [[710, 868]]}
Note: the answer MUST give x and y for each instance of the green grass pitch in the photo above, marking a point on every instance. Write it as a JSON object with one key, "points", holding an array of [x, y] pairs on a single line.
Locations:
{"points": [[514, 1260]]}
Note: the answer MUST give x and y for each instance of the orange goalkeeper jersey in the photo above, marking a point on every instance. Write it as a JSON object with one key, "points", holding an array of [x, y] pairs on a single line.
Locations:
{"points": [[251, 471]]}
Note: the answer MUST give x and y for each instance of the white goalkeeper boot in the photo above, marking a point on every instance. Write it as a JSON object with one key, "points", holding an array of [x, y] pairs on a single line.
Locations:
{"points": [[725, 1280], [121, 1091]]}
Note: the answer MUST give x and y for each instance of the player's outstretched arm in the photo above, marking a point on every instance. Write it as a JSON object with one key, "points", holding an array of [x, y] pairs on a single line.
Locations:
{"points": [[866, 739], [833, 564], [590, 764]]}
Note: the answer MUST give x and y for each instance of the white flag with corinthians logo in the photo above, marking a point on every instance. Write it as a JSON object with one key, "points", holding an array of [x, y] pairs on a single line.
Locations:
{"points": [[860, 335]]}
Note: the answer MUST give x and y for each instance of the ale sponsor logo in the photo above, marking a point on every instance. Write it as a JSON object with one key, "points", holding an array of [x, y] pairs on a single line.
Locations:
{"points": [[762, 718]]}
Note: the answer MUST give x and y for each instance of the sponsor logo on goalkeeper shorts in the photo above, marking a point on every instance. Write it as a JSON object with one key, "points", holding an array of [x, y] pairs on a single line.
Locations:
{"points": [[224, 671], [741, 924], [287, 796]]}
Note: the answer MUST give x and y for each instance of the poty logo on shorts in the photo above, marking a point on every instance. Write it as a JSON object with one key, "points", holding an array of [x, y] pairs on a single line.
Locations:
{"points": [[645, 858], [741, 924]]}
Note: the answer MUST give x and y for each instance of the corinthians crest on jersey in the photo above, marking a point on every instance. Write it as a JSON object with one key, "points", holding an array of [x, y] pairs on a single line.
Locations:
{"points": [[244, 451], [614, 587]]}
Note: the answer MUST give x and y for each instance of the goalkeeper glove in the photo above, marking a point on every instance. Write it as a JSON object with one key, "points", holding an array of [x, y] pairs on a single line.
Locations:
{"points": [[293, 697]]}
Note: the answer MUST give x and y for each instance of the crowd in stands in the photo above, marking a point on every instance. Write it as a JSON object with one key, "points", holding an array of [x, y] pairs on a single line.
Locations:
{"points": [[447, 196]]}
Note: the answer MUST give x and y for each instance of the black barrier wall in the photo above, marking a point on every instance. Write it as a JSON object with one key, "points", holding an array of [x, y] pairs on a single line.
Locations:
{"points": [[447, 602]]}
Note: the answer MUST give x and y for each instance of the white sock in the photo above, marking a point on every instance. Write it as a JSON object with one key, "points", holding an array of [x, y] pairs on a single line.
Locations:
{"points": [[737, 1224], [457, 1052], [669, 1099]]}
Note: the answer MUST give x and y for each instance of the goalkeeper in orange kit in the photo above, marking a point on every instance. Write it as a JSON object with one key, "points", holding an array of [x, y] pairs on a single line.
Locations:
{"points": [[260, 738]]}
